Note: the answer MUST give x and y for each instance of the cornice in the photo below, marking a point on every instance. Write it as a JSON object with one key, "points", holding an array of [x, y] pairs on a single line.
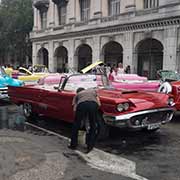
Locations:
{"points": [[145, 25]]}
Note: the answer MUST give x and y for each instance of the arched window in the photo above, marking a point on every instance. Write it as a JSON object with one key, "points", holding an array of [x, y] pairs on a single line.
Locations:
{"points": [[114, 7], [85, 9], [151, 4]]}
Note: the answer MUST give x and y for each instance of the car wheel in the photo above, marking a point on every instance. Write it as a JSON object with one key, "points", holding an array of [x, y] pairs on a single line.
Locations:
{"points": [[103, 129], [27, 110]]}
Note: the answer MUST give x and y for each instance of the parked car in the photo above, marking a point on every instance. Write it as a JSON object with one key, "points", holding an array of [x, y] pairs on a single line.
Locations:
{"points": [[132, 109], [5, 81], [124, 81], [170, 84], [134, 82], [168, 75], [28, 76]]}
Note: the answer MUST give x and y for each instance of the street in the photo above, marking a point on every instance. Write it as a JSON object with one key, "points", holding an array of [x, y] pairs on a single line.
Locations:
{"points": [[156, 155]]}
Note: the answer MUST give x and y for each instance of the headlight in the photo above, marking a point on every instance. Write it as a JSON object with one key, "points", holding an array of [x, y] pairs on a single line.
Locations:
{"points": [[123, 107], [120, 107], [126, 106], [171, 102]]}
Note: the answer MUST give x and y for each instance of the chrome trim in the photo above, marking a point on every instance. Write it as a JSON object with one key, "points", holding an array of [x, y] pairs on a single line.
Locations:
{"points": [[124, 120], [130, 115], [3, 88]]}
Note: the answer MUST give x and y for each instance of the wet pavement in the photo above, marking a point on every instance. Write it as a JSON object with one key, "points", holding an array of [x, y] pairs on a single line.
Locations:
{"points": [[156, 155], [27, 154]]}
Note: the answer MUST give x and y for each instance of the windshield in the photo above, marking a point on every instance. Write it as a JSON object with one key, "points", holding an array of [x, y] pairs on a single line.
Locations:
{"points": [[169, 75], [86, 81]]}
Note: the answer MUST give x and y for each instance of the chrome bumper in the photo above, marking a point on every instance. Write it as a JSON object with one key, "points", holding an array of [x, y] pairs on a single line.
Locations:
{"points": [[145, 118], [4, 93]]}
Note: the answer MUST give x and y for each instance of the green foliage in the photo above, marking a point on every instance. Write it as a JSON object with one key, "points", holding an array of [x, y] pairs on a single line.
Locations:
{"points": [[16, 21]]}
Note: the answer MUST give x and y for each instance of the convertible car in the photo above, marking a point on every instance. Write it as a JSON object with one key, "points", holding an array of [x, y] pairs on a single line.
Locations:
{"points": [[25, 75], [131, 109], [124, 81], [135, 82]]}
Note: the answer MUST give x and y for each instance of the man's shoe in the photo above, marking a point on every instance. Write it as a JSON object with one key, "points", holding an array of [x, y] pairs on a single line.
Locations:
{"points": [[72, 147]]}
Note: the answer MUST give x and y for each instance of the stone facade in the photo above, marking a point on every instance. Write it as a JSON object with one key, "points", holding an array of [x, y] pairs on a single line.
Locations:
{"points": [[144, 36]]}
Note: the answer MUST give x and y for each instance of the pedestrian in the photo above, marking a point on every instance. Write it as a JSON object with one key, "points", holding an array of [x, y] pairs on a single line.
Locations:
{"points": [[128, 69], [111, 75], [86, 106], [120, 68]]}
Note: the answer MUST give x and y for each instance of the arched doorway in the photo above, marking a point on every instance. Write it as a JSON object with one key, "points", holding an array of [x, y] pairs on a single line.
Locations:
{"points": [[43, 57], [84, 54], [113, 53], [150, 57], [61, 56]]}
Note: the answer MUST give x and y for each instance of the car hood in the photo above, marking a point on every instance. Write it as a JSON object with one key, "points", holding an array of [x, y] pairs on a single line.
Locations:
{"points": [[137, 98]]}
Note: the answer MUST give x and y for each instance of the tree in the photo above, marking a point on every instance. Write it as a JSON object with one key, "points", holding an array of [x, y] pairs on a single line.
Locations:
{"points": [[16, 21]]}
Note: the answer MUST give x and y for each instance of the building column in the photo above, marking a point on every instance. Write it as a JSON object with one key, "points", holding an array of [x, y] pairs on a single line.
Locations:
{"points": [[34, 54], [104, 8], [130, 6], [56, 16], [170, 48], [35, 12], [51, 14], [38, 20], [51, 57], [96, 8], [71, 10], [96, 50], [128, 52], [71, 59], [77, 12]]}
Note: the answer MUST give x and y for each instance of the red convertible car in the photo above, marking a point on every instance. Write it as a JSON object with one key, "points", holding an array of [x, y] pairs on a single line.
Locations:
{"points": [[132, 109]]}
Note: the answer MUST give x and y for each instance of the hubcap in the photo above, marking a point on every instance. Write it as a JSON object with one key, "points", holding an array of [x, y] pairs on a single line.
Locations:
{"points": [[27, 109]]}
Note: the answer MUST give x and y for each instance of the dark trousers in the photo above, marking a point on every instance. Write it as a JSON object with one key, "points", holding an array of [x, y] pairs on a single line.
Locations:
{"points": [[87, 110]]}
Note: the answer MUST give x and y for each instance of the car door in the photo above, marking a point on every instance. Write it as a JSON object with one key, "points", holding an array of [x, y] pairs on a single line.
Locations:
{"points": [[58, 105]]}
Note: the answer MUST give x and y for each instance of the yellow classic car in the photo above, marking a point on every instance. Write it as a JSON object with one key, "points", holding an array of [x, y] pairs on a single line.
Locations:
{"points": [[28, 76]]}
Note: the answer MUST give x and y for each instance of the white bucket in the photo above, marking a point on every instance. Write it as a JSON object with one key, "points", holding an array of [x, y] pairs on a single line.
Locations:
{"points": [[81, 137]]}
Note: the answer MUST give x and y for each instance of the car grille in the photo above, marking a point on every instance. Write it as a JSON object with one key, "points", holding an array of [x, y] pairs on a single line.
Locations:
{"points": [[150, 118]]}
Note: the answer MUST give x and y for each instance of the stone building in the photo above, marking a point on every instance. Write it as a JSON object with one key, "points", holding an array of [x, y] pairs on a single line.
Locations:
{"points": [[144, 34]]}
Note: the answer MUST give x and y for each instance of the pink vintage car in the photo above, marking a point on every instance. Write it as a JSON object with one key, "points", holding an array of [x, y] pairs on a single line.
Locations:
{"points": [[134, 82], [124, 81]]}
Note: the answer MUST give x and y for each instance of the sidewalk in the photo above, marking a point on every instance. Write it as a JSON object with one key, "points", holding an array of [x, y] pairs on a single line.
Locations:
{"points": [[31, 155], [24, 156]]}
